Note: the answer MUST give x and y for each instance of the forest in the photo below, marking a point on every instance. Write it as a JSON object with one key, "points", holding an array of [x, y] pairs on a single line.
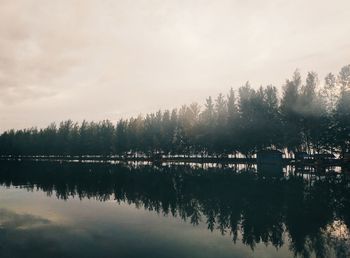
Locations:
{"points": [[307, 115]]}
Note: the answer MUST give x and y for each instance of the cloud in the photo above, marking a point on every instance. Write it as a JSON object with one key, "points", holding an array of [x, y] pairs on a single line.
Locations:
{"points": [[38, 45], [94, 59], [9, 219]]}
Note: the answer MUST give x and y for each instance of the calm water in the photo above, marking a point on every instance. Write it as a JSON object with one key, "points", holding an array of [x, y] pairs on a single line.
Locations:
{"points": [[101, 210]]}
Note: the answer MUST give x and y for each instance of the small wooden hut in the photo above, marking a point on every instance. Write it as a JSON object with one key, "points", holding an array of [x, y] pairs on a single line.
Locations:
{"points": [[270, 162]]}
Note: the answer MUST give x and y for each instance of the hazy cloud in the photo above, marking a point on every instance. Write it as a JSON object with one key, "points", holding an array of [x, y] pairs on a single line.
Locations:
{"points": [[38, 45], [106, 59]]}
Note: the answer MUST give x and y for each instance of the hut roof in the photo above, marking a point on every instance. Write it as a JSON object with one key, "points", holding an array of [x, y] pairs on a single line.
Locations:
{"points": [[301, 153], [269, 151]]}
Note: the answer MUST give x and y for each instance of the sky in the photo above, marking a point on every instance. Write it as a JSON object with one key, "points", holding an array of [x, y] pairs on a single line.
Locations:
{"points": [[112, 59]]}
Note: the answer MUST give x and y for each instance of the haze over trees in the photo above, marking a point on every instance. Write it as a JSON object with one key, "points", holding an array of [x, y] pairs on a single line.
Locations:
{"points": [[307, 116]]}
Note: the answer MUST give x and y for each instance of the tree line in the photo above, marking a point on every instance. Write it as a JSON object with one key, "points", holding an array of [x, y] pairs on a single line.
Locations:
{"points": [[306, 116]]}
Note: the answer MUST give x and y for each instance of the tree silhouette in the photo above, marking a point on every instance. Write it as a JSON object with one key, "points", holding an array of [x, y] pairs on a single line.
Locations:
{"points": [[308, 117]]}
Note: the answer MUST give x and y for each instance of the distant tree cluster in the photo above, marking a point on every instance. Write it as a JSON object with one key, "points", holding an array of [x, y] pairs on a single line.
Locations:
{"points": [[308, 116]]}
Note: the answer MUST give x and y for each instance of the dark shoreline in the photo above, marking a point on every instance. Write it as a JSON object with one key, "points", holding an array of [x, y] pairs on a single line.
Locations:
{"points": [[200, 160]]}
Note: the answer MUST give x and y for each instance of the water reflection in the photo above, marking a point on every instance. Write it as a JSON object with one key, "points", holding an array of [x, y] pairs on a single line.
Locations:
{"points": [[311, 218]]}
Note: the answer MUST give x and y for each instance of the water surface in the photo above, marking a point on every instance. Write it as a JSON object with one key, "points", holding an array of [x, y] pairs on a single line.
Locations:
{"points": [[103, 210]]}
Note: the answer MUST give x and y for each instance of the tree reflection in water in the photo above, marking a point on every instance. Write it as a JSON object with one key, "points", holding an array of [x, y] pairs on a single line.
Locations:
{"points": [[310, 217]]}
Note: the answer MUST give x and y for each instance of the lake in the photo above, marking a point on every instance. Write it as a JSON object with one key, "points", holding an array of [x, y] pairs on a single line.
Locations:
{"points": [[55, 209]]}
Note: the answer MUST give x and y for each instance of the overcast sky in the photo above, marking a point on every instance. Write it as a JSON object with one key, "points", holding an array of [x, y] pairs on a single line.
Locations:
{"points": [[108, 59]]}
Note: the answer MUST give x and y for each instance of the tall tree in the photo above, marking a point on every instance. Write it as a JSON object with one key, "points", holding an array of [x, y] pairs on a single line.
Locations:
{"points": [[290, 116]]}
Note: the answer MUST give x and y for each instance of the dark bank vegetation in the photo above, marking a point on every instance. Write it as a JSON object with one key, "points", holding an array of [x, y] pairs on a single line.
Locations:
{"points": [[246, 207], [307, 116]]}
